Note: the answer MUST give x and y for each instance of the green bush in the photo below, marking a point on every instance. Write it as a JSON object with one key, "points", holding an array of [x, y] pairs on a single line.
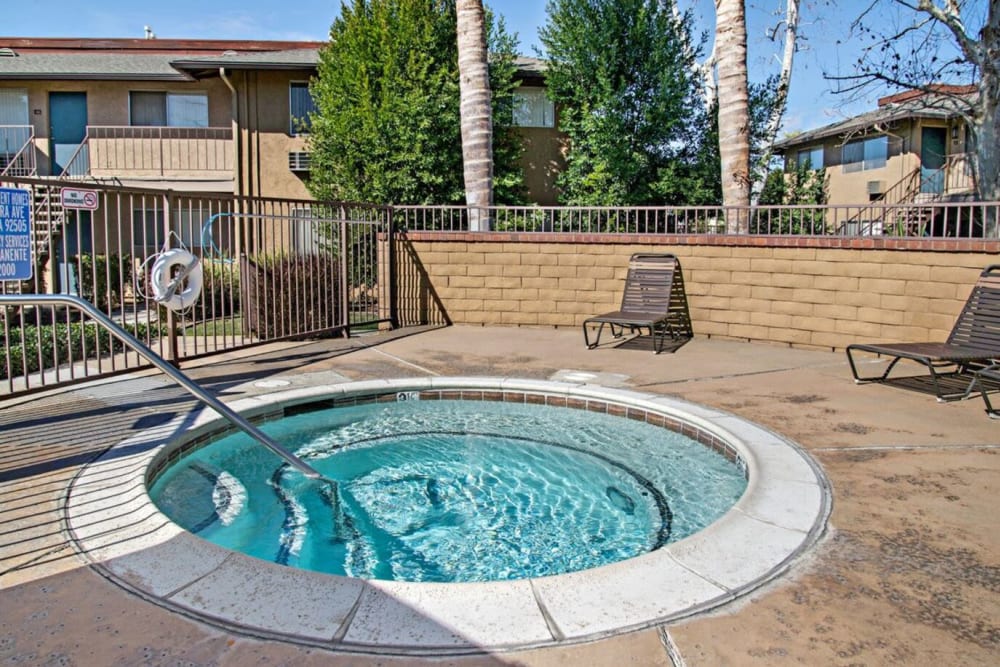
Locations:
{"points": [[41, 347], [220, 292], [95, 271]]}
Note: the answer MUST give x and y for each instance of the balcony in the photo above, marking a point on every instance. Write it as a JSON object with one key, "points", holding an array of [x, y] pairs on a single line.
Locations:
{"points": [[958, 175], [153, 153], [17, 150]]}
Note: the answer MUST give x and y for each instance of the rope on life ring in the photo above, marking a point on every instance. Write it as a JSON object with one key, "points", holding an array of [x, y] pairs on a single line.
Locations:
{"points": [[172, 270]]}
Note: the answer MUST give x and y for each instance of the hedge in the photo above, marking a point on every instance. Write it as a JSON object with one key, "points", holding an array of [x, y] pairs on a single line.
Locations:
{"points": [[40, 346]]}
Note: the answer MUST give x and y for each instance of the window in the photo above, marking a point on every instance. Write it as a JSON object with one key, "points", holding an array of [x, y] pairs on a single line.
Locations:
{"points": [[14, 114], [300, 106], [147, 228], [533, 109], [153, 109], [865, 154], [811, 158]]}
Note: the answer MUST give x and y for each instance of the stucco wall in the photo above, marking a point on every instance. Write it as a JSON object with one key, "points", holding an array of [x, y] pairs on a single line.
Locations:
{"points": [[828, 294], [265, 136]]}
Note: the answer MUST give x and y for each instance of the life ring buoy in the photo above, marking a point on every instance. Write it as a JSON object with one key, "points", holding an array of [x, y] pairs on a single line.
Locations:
{"points": [[172, 270]]}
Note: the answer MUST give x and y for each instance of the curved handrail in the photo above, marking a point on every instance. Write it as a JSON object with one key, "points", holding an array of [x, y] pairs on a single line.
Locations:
{"points": [[180, 378]]}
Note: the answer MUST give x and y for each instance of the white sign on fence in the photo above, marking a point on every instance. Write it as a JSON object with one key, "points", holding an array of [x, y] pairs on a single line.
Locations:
{"points": [[74, 198], [15, 234]]}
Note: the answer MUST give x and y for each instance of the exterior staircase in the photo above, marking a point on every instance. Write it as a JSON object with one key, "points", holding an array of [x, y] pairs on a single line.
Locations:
{"points": [[905, 210], [48, 217], [916, 218]]}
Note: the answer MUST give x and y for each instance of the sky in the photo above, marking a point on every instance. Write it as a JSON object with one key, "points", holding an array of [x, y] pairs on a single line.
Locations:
{"points": [[824, 45]]}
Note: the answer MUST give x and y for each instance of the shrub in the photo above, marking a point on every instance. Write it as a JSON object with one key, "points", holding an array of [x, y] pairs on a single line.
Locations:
{"points": [[95, 271], [220, 292], [34, 348], [287, 296]]}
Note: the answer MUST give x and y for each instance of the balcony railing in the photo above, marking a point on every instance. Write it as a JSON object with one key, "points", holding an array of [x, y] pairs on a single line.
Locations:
{"points": [[197, 153], [17, 150], [959, 176]]}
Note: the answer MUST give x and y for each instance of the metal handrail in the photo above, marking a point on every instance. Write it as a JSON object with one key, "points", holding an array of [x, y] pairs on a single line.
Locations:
{"points": [[68, 171], [27, 150], [180, 378]]}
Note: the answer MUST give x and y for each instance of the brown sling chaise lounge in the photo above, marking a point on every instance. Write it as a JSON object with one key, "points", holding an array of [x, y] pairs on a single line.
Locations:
{"points": [[653, 299], [974, 342]]}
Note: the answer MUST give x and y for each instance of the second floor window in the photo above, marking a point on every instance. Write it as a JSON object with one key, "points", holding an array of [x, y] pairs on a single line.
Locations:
{"points": [[168, 109], [811, 158], [865, 154], [13, 115], [300, 106], [532, 108]]}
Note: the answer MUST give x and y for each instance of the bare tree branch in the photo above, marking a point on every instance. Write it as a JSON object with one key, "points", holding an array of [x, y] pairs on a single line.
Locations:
{"points": [[952, 19]]}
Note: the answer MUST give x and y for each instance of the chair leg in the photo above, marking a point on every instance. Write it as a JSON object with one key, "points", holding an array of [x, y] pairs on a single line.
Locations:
{"points": [[872, 378], [597, 339], [979, 383]]}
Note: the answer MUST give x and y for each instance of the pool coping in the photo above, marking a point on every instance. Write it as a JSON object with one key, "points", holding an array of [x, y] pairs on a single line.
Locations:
{"points": [[115, 526]]}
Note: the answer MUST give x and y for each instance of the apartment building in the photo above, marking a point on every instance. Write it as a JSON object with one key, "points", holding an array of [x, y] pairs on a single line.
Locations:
{"points": [[219, 116], [913, 148]]}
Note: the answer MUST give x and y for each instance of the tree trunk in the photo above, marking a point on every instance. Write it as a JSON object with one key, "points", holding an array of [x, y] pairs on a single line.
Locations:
{"points": [[781, 94], [734, 111], [987, 134], [476, 112]]}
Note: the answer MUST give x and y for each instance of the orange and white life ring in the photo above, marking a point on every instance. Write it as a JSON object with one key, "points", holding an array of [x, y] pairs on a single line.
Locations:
{"points": [[176, 278]]}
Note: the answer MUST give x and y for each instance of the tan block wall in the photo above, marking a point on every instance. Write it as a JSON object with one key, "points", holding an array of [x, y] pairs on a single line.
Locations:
{"points": [[825, 297]]}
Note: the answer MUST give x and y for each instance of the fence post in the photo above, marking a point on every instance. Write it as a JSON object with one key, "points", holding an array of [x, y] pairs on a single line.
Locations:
{"points": [[345, 289], [390, 269], [173, 348]]}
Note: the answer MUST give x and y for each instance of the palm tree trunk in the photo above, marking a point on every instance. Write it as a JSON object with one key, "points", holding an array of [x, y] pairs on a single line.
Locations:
{"points": [[734, 111], [476, 112]]}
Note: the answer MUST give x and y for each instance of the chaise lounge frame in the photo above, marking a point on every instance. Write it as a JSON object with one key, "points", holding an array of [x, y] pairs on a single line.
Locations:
{"points": [[985, 376], [653, 299], [974, 342]]}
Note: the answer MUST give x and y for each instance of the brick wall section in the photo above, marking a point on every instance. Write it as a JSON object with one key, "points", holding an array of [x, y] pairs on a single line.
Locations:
{"points": [[810, 292]]}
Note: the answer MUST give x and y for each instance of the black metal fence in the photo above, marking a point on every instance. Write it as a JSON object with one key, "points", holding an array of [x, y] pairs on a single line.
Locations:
{"points": [[935, 219], [279, 269], [271, 269]]}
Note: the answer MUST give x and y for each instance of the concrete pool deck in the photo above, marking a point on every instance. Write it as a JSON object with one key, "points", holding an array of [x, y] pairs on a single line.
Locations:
{"points": [[906, 573]]}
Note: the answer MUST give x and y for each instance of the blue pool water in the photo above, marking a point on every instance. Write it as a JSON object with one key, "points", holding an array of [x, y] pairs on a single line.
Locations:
{"points": [[451, 491]]}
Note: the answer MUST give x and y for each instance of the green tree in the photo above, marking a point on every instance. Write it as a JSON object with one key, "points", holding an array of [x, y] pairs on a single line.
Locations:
{"points": [[802, 188], [621, 72], [387, 126]]}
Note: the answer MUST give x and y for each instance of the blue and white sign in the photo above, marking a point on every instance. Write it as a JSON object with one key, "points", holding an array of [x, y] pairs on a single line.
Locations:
{"points": [[15, 234]]}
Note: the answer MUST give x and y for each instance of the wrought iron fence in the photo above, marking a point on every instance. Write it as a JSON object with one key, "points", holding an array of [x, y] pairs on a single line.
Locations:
{"points": [[278, 269], [971, 220], [272, 269]]}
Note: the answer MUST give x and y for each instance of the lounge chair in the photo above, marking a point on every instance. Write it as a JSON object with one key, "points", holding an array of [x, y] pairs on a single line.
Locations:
{"points": [[974, 342], [653, 299]]}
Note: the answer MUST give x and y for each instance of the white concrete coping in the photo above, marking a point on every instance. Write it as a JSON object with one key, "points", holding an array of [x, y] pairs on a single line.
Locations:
{"points": [[115, 525]]}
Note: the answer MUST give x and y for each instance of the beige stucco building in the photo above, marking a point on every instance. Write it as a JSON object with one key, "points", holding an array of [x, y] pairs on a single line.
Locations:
{"points": [[205, 115], [914, 147]]}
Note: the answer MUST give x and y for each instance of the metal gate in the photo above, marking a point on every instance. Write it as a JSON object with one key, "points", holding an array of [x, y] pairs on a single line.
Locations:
{"points": [[272, 269]]}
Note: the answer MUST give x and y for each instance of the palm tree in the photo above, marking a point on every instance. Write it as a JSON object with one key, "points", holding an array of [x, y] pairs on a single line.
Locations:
{"points": [[476, 112], [734, 110]]}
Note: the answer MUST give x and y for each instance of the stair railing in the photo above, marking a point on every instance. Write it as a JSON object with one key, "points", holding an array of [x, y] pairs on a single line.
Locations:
{"points": [[173, 373]]}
